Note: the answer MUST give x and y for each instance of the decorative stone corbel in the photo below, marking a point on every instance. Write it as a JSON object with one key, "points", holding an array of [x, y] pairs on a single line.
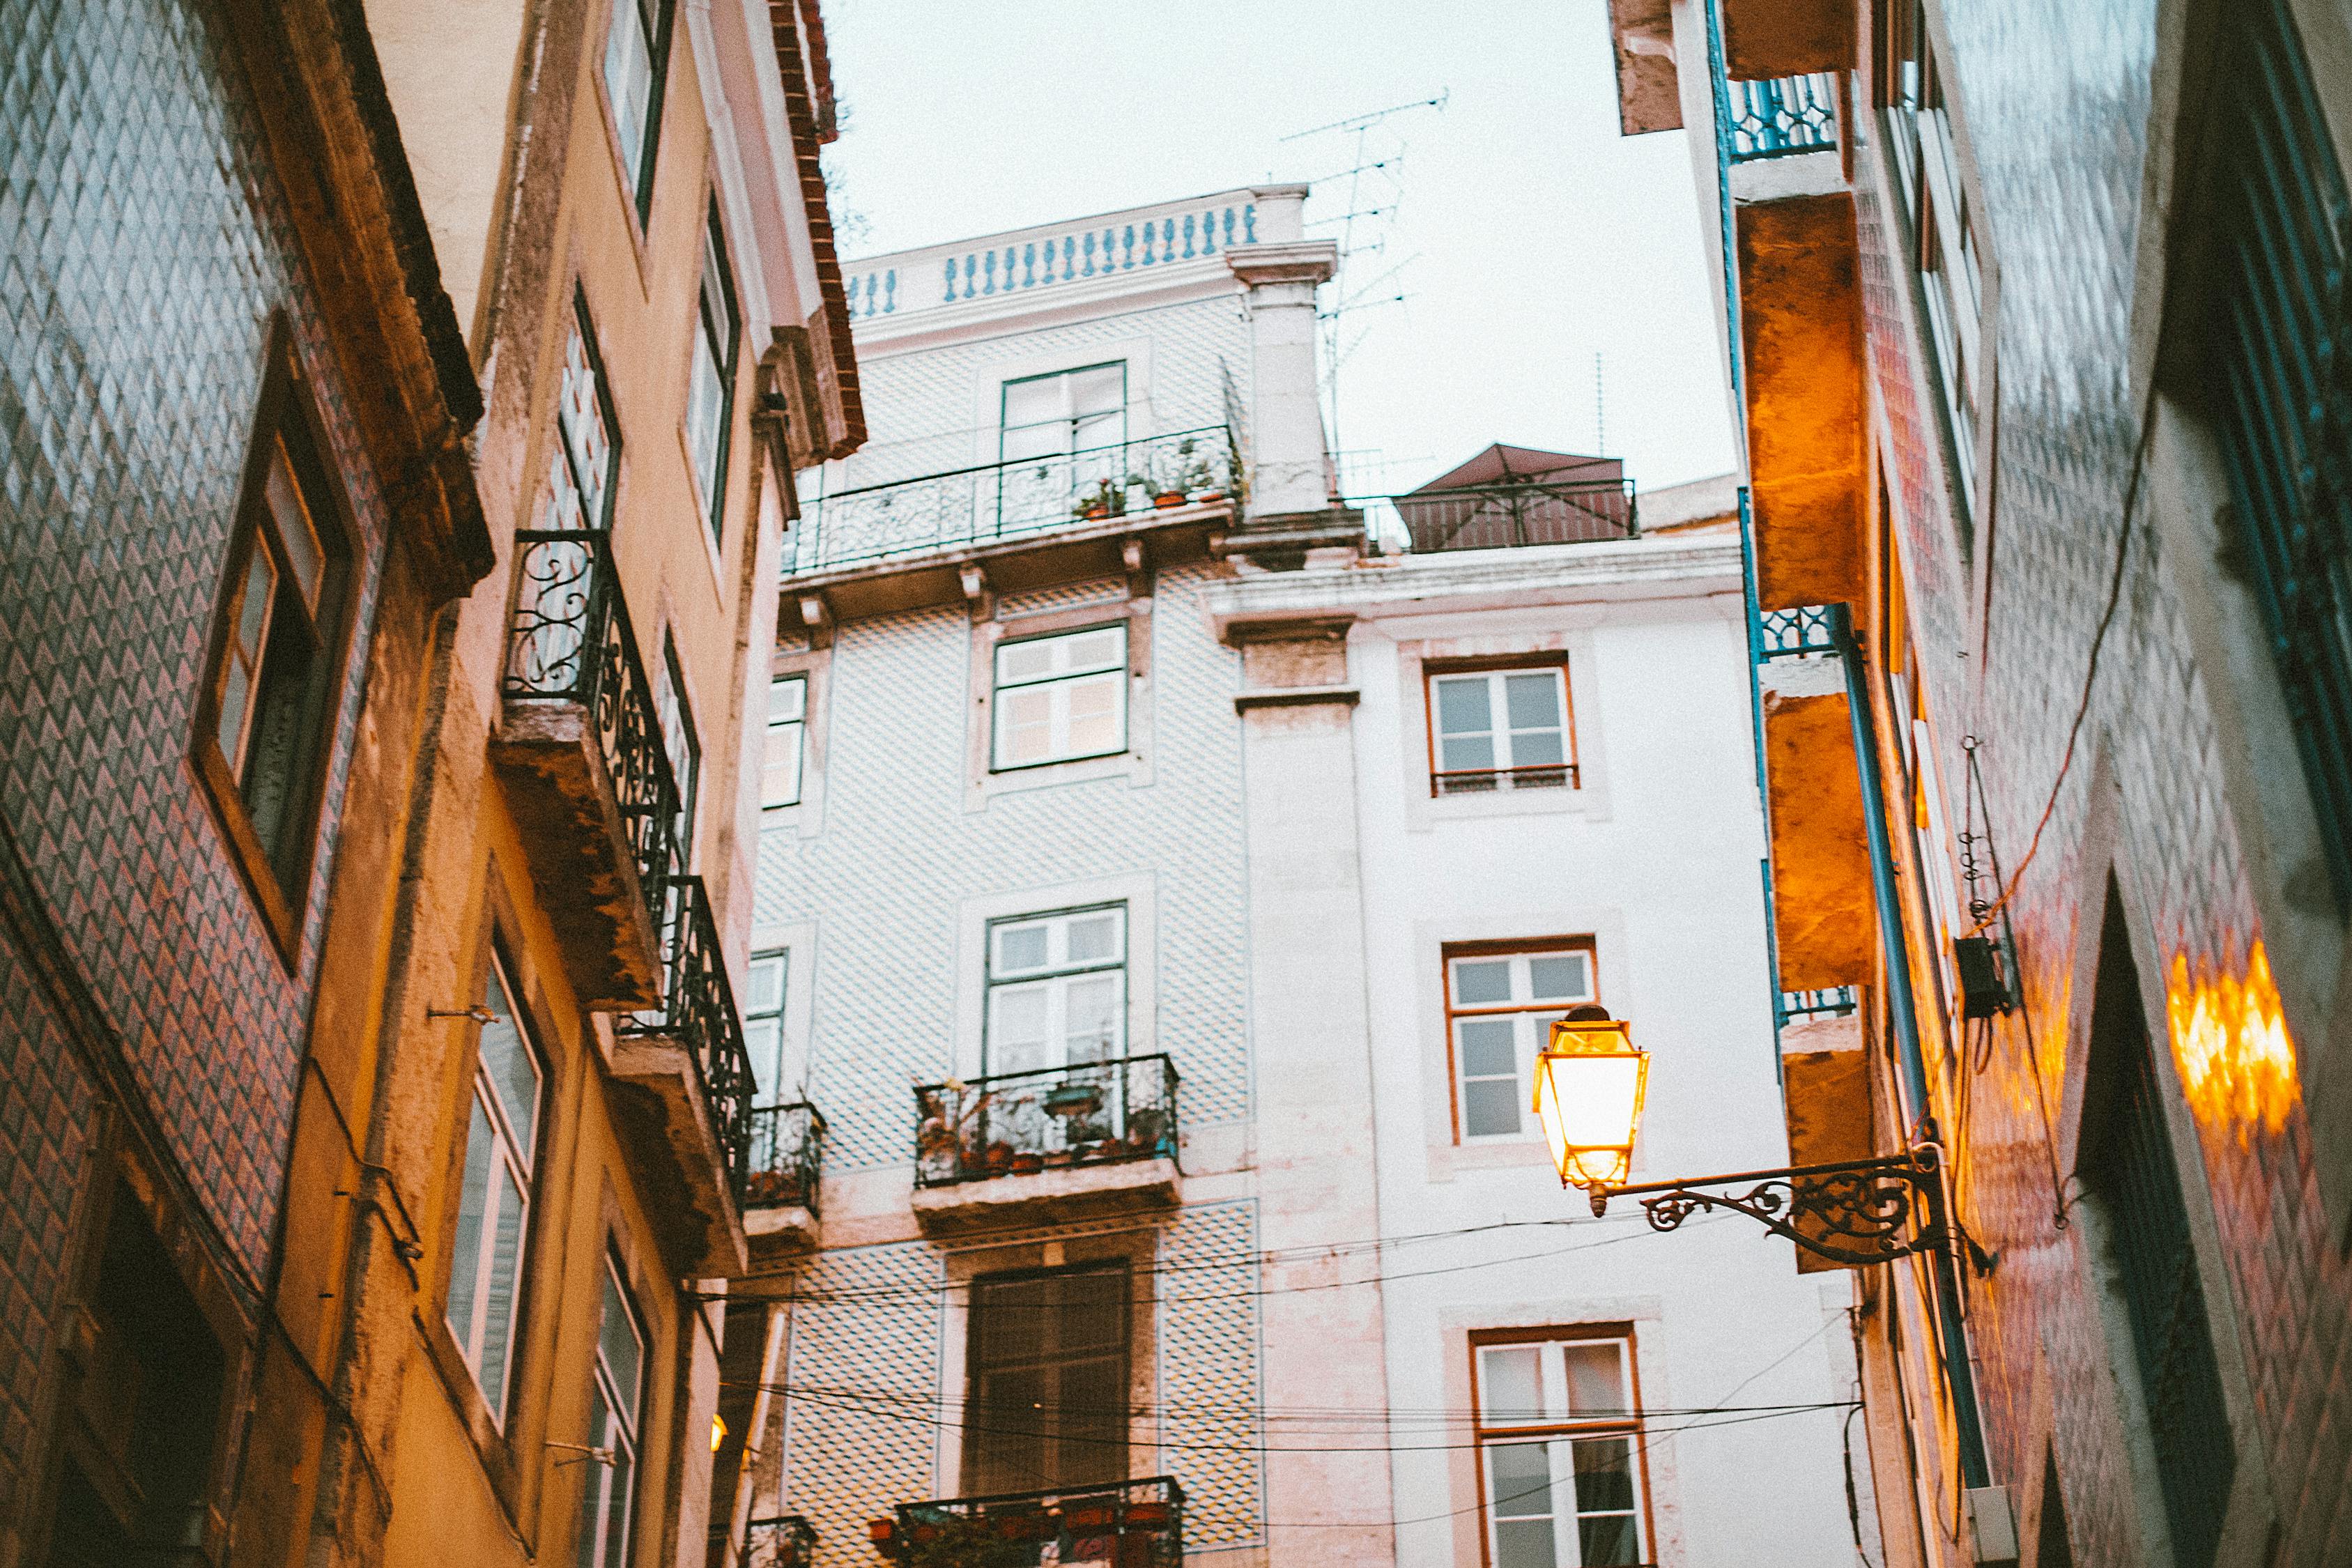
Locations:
{"points": [[1134, 556], [979, 598], [817, 615]]}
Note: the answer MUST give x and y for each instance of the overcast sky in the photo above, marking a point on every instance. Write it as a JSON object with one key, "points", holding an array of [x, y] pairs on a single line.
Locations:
{"points": [[1531, 235]]}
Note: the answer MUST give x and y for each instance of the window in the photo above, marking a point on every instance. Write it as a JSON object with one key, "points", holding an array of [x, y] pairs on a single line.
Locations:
{"points": [[2273, 344], [678, 743], [485, 1268], [264, 714], [637, 62], [1057, 990], [1061, 697], [763, 1022], [587, 456], [614, 1396], [1500, 1006], [1927, 172], [1560, 1444], [1048, 1374], [781, 762], [1071, 412], [711, 395], [2127, 1168], [1500, 730]]}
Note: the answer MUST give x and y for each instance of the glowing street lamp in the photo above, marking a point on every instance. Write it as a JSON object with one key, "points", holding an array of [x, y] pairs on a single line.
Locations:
{"points": [[1590, 1078], [1590, 1083]]}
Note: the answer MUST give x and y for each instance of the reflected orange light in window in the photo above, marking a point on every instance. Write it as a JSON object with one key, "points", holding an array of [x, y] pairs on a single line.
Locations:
{"points": [[2229, 1036]]}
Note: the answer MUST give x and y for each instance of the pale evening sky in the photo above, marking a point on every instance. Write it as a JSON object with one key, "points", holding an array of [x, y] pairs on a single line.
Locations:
{"points": [[1533, 236]]}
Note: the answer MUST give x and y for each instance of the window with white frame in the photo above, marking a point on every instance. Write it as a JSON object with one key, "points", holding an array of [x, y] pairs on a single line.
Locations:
{"points": [[587, 455], [1056, 990], [1068, 412], [1560, 1453], [1928, 167], [780, 760], [710, 394], [1500, 1006], [636, 59], [486, 1270], [1060, 698], [616, 1389], [680, 744], [1500, 730], [763, 1021]]}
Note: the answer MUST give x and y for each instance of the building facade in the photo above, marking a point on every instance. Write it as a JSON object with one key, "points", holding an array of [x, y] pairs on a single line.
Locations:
{"points": [[1151, 1177], [2032, 316], [391, 1212]]}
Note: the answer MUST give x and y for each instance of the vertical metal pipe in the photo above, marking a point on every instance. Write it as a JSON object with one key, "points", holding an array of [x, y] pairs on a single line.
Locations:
{"points": [[1958, 1376]]}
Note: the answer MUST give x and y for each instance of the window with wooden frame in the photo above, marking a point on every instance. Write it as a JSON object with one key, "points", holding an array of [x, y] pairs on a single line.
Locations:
{"points": [[616, 1395], [489, 1251], [280, 641], [1500, 725], [680, 744], [1561, 1470], [763, 1021], [1056, 990], [636, 64], [1047, 1366], [1501, 1001], [711, 391], [587, 456]]}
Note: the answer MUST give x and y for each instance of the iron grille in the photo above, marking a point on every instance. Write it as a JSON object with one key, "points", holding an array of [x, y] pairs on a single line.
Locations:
{"points": [[2278, 322], [1087, 1113], [787, 1157], [787, 1541], [698, 1013], [1135, 1524], [1782, 115], [2129, 1167]]}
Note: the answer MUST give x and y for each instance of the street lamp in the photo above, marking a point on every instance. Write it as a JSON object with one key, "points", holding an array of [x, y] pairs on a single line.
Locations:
{"points": [[1589, 1082]]}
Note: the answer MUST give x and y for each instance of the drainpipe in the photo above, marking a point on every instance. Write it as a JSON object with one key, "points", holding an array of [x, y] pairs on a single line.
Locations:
{"points": [[1959, 1378]]}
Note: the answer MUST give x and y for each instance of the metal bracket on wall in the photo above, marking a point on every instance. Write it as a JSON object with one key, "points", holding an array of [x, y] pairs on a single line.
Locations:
{"points": [[1860, 1212]]}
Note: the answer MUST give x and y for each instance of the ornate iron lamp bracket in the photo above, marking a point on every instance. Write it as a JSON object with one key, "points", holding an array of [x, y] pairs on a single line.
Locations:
{"points": [[1861, 1212]]}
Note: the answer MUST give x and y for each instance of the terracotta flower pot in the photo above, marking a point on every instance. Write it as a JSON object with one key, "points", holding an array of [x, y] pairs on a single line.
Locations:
{"points": [[1027, 1162], [1168, 499]]}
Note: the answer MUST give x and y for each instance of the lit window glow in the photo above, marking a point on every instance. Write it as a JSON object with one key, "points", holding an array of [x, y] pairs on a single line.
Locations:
{"points": [[2230, 1039]]}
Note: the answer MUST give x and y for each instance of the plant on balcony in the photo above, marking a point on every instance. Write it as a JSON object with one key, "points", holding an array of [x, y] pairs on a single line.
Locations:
{"points": [[970, 1543], [1106, 500], [1147, 1127]]}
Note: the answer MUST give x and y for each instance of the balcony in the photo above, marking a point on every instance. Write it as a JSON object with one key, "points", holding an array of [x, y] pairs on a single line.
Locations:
{"points": [[578, 751], [1124, 1524], [1787, 38], [787, 1541], [1089, 1139], [1782, 116], [683, 1069], [780, 1190]]}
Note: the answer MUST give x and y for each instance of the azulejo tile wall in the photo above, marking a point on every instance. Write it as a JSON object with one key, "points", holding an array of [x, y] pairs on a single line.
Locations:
{"points": [[144, 247], [2056, 103]]}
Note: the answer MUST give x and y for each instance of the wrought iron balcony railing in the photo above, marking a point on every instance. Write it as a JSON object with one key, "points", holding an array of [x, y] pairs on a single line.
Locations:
{"points": [[1527, 512], [787, 1157], [1781, 116], [1088, 1113], [570, 641], [697, 1013], [787, 1541], [1012, 499], [1134, 1524], [1838, 1002], [1806, 632], [1490, 781]]}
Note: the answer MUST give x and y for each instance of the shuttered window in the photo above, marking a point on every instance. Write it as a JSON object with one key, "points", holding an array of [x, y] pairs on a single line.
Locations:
{"points": [[1048, 1372], [2277, 332]]}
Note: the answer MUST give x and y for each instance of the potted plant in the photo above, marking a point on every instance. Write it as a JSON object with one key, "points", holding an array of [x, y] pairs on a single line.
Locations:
{"points": [[1027, 1162], [1000, 1158], [970, 1543], [1150, 1513], [1147, 1127], [1106, 500], [1074, 1099]]}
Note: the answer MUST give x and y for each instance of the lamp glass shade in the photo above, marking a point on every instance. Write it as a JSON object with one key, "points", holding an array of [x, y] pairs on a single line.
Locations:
{"points": [[1590, 1080]]}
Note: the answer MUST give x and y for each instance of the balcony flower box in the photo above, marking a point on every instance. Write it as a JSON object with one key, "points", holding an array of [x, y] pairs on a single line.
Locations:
{"points": [[1147, 1514]]}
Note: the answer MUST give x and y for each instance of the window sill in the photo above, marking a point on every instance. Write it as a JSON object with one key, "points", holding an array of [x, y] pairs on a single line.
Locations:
{"points": [[1435, 808], [1129, 766]]}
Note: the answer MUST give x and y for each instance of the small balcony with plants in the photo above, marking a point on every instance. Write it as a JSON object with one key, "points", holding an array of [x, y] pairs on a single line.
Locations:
{"points": [[786, 1168], [1123, 1525], [1087, 1139], [785, 1541], [578, 750], [936, 536]]}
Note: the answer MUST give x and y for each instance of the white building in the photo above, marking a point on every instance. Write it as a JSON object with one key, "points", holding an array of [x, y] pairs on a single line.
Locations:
{"points": [[1115, 918]]}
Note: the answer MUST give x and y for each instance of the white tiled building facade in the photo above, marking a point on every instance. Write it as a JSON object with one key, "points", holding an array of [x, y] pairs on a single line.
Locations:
{"points": [[1150, 781]]}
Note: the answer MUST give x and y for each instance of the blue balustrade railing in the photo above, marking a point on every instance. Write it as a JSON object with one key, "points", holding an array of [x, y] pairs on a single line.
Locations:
{"points": [[1806, 632], [1088, 251], [1781, 116]]}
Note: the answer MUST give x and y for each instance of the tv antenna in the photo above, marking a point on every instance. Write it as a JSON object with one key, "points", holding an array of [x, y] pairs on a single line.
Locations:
{"points": [[1363, 230]]}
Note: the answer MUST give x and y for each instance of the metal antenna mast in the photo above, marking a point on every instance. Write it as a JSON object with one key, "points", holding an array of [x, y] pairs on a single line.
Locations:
{"points": [[1363, 163], [1600, 410]]}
